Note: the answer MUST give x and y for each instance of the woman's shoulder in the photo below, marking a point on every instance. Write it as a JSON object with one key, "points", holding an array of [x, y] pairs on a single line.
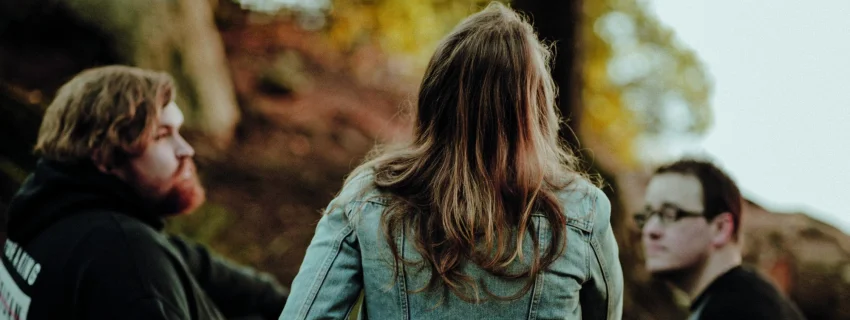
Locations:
{"points": [[584, 203], [360, 187], [579, 189]]}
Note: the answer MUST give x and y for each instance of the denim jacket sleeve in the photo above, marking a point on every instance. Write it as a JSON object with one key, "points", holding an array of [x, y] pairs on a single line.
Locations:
{"points": [[330, 278], [605, 271]]}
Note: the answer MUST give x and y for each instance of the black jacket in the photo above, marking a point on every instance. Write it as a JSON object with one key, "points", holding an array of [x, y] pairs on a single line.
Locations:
{"points": [[82, 245], [741, 293]]}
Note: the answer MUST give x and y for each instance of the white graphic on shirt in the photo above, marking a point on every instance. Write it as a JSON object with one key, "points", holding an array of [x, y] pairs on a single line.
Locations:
{"points": [[14, 303], [25, 265]]}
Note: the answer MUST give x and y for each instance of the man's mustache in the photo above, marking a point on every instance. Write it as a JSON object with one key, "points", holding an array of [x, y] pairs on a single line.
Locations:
{"points": [[185, 164]]}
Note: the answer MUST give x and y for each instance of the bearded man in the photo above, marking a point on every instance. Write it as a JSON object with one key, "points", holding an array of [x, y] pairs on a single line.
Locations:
{"points": [[85, 237]]}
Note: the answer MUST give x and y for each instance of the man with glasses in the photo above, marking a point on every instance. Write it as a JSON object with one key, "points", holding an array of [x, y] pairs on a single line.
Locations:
{"points": [[692, 239]]}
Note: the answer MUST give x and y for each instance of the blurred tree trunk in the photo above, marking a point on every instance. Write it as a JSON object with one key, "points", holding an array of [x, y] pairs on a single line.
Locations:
{"points": [[179, 37], [561, 22]]}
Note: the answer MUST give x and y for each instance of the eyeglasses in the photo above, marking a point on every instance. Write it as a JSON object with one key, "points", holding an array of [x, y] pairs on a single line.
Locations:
{"points": [[667, 214]]}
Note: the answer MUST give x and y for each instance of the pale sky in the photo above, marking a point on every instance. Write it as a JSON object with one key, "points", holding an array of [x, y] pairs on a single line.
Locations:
{"points": [[781, 102]]}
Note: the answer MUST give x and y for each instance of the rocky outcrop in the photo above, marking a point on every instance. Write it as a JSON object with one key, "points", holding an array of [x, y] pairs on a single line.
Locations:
{"points": [[807, 259]]}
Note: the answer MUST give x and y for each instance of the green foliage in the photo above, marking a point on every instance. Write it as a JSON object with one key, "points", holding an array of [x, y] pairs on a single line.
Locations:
{"points": [[203, 225], [639, 80], [408, 29]]}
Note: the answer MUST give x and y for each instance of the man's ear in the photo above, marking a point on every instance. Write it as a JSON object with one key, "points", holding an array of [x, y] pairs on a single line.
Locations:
{"points": [[722, 229], [103, 165], [99, 162]]}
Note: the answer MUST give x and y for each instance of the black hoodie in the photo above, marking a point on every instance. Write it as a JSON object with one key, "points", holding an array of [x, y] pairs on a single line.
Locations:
{"points": [[82, 245]]}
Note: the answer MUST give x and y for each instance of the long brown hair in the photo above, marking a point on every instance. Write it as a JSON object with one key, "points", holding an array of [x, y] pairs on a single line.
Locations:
{"points": [[484, 158]]}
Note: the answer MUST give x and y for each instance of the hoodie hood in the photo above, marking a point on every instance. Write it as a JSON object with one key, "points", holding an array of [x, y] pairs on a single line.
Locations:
{"points": [[55, 191]]}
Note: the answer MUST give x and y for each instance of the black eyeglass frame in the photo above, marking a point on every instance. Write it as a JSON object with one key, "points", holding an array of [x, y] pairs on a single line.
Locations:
{"points": [[673, 215]]}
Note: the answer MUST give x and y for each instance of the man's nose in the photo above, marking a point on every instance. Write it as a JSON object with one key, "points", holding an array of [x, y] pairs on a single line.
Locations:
{"points": [[653, 229], [184, 149]]}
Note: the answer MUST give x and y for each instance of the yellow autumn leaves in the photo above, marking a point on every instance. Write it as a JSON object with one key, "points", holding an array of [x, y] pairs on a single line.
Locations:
{"points": [[617, 109]]}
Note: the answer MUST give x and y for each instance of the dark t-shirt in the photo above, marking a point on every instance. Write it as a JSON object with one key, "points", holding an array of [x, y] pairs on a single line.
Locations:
{"points": [[741, 293]]}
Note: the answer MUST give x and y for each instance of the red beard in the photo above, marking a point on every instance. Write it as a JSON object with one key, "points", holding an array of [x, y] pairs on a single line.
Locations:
{"points": [[185, 194]]}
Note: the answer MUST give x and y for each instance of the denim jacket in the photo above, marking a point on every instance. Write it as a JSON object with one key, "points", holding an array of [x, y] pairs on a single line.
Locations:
{"points": [[349, 255]]}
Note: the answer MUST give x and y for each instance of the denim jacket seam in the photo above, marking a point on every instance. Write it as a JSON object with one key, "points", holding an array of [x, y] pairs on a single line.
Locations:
{"points": [[374, 198], [402, 284], [591, 240], [603, 265], [603, 269], [348, 210], [584, 223], [323, 273], [537, 290]]}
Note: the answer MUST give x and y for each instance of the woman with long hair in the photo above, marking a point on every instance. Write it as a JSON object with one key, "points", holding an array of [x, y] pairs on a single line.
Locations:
{"points": [[482, 215]]}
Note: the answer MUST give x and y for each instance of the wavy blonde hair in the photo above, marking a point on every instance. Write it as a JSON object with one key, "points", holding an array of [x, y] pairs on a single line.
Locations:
{"points": [[486, 155], [107, 113]]}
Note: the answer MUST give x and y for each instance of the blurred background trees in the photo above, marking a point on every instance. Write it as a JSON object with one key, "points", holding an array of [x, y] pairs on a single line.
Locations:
{"points": [[284, 97]]}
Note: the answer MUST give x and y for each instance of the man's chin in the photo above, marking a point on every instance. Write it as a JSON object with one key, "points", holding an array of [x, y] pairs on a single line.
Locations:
{"points": [[661, 269], [672, 272], [191, 205], [184, 198]]}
